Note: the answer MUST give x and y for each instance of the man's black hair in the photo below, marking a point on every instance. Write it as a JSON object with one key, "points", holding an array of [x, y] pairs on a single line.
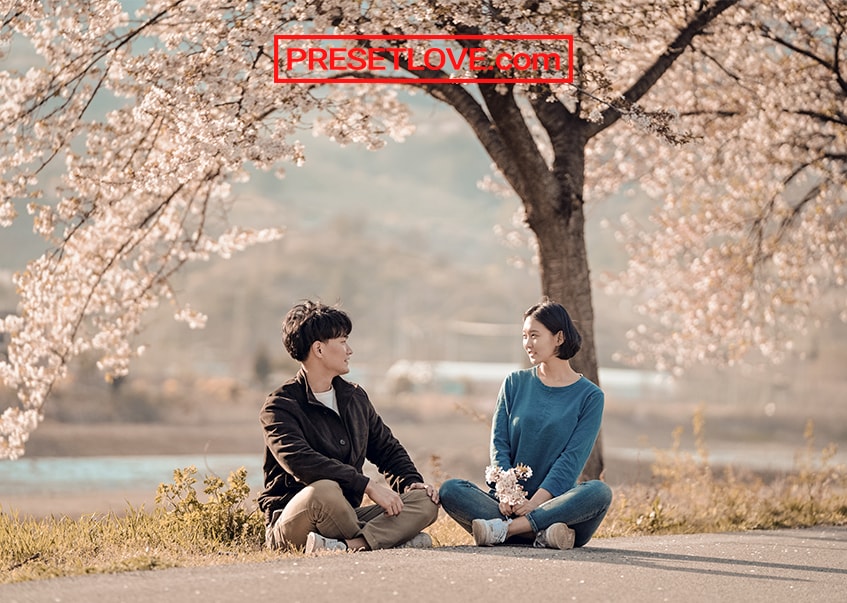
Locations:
{"points": [[311, 321]]}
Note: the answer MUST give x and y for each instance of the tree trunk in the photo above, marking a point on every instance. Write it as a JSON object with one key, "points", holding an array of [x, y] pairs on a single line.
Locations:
{"points": [[558, 221], [565, 279]]}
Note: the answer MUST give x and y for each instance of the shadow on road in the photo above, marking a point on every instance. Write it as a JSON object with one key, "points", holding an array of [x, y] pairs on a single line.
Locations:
{"points": [[735, 555]]}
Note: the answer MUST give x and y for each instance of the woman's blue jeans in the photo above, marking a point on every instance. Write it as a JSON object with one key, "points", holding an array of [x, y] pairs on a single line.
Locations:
{"points": [[582, 507]]}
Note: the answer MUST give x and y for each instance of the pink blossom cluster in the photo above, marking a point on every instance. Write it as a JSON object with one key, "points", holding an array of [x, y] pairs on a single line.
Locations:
{"points": [[506, 482]]}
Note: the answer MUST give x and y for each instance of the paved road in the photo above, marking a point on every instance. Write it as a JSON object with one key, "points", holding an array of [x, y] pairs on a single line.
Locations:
{"points": [[786, 565]]}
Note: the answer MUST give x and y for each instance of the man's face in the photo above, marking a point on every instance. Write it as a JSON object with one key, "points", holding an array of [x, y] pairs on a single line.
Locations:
{"points": [[335, 354]]}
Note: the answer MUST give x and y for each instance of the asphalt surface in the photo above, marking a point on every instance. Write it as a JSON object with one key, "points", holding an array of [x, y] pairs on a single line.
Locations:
{"points": [[773, 566]]}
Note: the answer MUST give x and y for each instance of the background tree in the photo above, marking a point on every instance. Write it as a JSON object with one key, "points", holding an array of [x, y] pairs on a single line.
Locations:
{"points": [[745, 252], [145, 184]]}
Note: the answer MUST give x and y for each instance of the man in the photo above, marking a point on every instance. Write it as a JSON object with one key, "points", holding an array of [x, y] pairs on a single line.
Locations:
{"points": [[319, 429]]}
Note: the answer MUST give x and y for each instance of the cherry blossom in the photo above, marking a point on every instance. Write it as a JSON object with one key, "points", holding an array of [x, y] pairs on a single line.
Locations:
{"points": [[507, 486], [122, 129]]}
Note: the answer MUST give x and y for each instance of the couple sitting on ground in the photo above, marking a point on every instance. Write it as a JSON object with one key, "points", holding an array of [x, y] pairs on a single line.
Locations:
{"points": [[319, 429]]}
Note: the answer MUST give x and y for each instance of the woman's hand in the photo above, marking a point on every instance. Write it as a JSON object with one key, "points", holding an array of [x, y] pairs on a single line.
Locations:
{"points": [[506, 509], [525, 508], [541, 496]]}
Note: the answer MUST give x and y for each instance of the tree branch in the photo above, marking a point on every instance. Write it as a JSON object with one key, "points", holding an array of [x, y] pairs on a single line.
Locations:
{"points": [[665, 61], [521, 162]]}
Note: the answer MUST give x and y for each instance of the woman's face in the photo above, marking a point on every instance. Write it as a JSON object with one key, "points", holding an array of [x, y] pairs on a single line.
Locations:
{"points": [[540, 344]]}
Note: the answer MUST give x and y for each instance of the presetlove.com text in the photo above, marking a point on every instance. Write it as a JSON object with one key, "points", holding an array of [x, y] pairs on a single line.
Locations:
{"points": [[422, 58]]}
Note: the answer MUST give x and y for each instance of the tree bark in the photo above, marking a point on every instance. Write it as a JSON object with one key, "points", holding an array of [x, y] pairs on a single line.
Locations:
{"points": [[565, 279], [558, 220]]}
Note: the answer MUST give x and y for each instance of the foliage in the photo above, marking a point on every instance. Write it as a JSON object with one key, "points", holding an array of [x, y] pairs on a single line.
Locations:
{"points": [[221, 520], [745, 250]]}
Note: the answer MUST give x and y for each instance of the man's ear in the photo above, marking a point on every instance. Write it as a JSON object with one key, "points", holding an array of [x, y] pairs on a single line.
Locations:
{"points": [[317, 349]]}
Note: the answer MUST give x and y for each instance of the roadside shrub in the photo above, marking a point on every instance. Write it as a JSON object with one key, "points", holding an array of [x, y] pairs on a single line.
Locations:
{"points": [[221, 521]]}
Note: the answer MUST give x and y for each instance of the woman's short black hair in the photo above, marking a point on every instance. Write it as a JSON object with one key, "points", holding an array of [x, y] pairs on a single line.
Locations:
{"points": [[555, 318], [311, 321]]}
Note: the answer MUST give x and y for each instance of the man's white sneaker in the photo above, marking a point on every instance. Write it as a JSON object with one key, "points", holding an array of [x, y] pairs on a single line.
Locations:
{"points": [[421, 541], [315, 543], [557, 536], [488, 532]]}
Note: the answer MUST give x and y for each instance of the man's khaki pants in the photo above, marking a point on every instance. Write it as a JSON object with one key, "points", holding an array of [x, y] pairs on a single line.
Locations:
{"points": [[322, 508]]}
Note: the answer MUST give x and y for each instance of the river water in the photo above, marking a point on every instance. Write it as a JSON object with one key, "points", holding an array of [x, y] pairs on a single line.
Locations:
{"points": [[58, 475], [74, 475]]}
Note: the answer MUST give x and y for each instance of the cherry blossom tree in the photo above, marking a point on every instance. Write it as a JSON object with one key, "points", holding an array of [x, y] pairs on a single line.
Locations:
{"points": [[746, 249], [658, 88]]}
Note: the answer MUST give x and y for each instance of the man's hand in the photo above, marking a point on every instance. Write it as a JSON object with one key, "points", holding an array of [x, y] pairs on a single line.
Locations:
{"points": [[385, 497], [431, 491]]}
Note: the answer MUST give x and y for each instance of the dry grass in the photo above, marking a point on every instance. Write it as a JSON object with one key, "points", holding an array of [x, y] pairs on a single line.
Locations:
{"points": [[180, 531], [685, 495]]}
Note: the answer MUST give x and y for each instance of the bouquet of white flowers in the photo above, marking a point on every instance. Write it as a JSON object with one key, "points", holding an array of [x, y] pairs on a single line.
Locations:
{"points": [[506, 486]]}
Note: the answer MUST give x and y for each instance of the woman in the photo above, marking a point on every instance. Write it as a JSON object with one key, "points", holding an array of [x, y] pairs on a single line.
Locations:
{"points": [[547, 417]]}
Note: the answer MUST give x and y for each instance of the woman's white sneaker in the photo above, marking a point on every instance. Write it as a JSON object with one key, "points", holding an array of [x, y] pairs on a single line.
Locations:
{"points": [[488, 532], [557, 536]]}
